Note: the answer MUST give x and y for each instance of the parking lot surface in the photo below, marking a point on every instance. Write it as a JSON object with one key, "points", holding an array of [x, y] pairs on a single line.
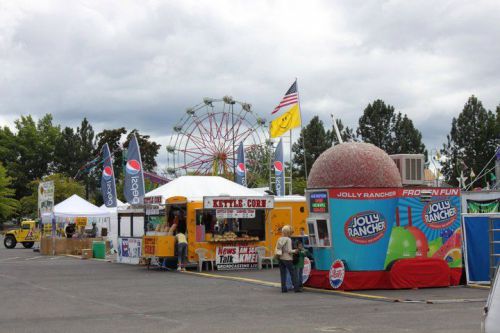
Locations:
{"points": [[65, 294]]}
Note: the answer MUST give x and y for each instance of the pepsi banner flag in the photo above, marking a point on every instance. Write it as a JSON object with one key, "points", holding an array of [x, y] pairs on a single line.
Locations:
{"points": [[279, 170], [108, 186], [134, 176], [241, 170]]}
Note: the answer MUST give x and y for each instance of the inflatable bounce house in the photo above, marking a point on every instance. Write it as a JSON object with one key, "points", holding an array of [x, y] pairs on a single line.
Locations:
{"points": [[368, 231]]}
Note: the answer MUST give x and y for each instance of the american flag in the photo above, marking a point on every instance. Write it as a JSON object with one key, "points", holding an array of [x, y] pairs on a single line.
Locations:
{"points": [[291, 97]]}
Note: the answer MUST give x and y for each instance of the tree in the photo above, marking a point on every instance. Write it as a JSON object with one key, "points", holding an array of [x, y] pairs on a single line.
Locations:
{"points": [[64, 187], [471, 143], [375, 125], [149, 149], [67, 155], [315, 140], [8, 204], [34, 146], [392, 132], [408, 140]]}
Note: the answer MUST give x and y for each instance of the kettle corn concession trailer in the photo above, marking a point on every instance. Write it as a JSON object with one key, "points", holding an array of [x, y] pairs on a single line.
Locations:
{"points": [[229, 228]]}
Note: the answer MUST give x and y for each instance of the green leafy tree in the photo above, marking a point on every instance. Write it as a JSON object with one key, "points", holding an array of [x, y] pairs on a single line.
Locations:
{"points": [[34, 146], [67, 155], [8, 204], [315, 139], [64, 187], [392, 132], [471, 143]]}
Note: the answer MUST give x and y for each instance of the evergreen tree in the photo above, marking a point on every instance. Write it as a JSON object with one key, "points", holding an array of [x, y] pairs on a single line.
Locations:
{"points": [[471, 143], [392, 132], [346, 133], [315, 139]]}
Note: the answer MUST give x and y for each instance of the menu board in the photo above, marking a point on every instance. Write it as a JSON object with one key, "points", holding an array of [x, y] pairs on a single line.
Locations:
{"points": [[318, 202]]}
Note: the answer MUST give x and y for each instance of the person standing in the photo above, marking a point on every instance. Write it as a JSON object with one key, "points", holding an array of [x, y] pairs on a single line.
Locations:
{"points": [[181, 251], [284, 252], [299, 264]]}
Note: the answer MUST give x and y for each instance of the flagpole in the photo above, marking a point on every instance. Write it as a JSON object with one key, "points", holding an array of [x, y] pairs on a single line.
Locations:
{"points": [[290, 189], [303, 137]]}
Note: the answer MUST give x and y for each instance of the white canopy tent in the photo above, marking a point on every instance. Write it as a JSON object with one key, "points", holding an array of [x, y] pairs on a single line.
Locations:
{"points": [[75, 206], [194, 188]]}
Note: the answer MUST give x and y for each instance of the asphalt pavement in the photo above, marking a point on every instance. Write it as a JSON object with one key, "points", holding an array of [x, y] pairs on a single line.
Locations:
{"points": [[65, 294]]}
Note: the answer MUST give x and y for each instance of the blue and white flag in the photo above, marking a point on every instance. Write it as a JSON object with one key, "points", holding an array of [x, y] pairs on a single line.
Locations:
{"points": [[108, 185], [241, 170], [279, 170], [134, 176]]}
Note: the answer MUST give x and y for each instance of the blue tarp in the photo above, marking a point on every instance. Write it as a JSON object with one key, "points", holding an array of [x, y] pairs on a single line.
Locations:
{"points": [[477, 247]]}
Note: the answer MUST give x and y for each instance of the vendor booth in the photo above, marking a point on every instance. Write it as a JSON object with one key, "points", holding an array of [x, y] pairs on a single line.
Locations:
{"points": [[370, 232], [81, 216], [481, 224], [225, 223]]}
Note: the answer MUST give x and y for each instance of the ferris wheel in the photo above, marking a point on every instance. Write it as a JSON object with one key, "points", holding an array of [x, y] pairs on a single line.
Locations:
{"points": [[207, 137]]}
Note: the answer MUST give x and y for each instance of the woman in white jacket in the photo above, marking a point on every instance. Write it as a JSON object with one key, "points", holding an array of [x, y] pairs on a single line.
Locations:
{"points": [[285, 252]]}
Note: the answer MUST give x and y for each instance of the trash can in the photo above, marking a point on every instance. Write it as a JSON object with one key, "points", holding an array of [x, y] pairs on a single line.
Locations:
{"points": [[99, 249]]}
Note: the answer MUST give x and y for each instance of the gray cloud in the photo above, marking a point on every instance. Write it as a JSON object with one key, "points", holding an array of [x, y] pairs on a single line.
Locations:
{"points": [[140, 64]]}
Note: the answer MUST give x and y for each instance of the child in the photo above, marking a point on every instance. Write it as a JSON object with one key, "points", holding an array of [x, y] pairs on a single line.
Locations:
{"points": [[299, 264]]}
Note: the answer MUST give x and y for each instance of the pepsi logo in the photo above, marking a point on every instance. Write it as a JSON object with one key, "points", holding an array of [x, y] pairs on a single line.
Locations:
{"points": [[107, 172], [439, 214], [365, 227], [133, 167], [240, 169], [278, 167], [336, 274]]}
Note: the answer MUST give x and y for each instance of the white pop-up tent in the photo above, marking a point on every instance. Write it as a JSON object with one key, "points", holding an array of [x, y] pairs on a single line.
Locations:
{"points": [[113, 220], [194, 188], [75, 206]]}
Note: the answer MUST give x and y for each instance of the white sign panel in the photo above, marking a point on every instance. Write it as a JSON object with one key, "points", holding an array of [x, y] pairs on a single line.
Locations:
{"points": [[129, 250], [236, 257], [235, 213], [265, 202], [45, 197]]}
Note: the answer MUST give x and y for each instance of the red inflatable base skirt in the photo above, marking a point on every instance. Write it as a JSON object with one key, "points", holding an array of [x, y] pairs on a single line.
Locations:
{"points": [[404, 274]]}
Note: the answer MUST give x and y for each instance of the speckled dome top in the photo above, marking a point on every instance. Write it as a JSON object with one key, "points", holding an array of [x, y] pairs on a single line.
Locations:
{"points": [[354, 164]]}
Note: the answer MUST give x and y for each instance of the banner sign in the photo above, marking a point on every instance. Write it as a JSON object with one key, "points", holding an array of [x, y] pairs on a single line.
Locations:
{"points": [[154, 200], [236, 257], [133, 188], [235, 213], [81, 221], [129, 250], [108, 185], [241, 170], [373, 227], [279, 169], [45, 198], [265, 202]]}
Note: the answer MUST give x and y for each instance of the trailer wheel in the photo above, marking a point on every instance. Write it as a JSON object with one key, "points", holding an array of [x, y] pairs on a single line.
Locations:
{"points": [[9, 242], [28, 245]]}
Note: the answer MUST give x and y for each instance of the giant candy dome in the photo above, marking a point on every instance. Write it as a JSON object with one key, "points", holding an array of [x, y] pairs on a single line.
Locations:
{"points": [[354, 164]]}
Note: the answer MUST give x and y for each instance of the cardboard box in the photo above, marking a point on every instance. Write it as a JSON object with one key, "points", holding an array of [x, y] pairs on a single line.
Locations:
{"points": [[87, 253]]}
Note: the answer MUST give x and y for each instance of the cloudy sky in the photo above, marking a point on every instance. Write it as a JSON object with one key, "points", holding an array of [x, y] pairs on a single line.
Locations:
{"points": [[140, 64]]}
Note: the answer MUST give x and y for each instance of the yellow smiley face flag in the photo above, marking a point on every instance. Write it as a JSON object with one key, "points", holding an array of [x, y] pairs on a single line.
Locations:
{"points": [[285, 122]]}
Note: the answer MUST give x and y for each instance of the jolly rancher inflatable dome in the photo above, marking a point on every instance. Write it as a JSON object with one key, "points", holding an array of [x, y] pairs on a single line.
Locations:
{"points": [[370, 232]]}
